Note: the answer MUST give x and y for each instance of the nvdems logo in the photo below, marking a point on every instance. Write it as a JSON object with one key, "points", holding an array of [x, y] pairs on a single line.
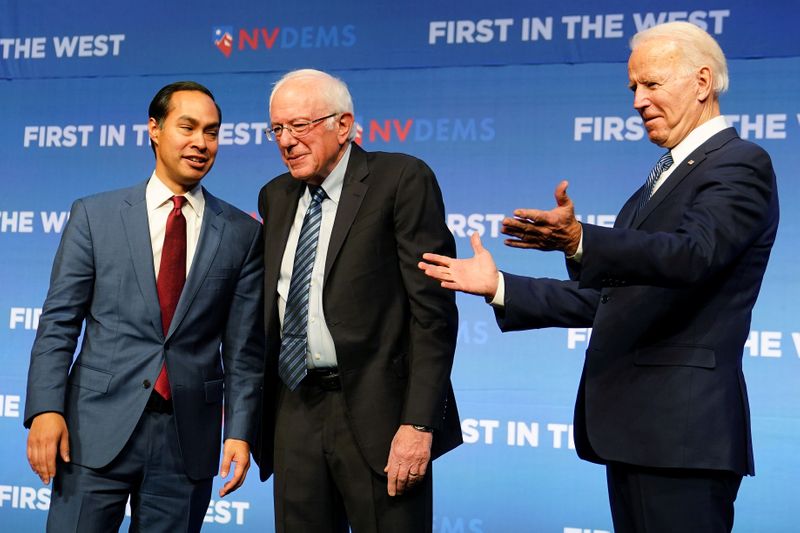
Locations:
{"points": [[255, 39], [223, 39]]}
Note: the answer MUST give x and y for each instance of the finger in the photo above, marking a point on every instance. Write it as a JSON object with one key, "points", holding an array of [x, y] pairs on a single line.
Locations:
{"points": [[475, 241], [225, 467], [236, 481], [391, 484], [50, 464], [561, 193], [525, 216], [436, 259], [64, 447], [515, 243]]}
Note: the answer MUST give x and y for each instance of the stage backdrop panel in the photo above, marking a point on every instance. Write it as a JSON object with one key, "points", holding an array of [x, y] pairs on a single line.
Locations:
{"points": [[503, 101]]}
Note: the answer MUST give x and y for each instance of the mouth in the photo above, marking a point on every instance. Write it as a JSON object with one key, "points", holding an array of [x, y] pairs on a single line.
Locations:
{"points": [[294, 158], [196, 161]]}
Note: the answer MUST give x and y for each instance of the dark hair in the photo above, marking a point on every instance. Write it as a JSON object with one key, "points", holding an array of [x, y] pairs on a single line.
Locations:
{"points": [[160, 104]]}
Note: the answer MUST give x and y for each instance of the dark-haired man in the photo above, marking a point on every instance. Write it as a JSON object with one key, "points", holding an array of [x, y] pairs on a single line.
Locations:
{"points": [[167, 279]]}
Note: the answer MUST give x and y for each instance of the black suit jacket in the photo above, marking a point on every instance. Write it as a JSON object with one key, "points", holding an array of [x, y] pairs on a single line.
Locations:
{"points": [[669, 293], [394, 329]]}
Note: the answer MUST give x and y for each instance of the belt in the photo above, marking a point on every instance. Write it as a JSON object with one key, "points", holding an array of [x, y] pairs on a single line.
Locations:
{"points": [[157, 404], [324, 378]]}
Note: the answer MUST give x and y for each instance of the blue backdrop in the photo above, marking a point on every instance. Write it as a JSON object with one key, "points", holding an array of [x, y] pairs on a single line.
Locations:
{"points": [[503, 100]]}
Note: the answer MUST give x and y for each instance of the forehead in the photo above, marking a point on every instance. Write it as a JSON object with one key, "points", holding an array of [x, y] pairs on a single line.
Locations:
{"points": [[656, 57], [192, 104], [296, 99]]}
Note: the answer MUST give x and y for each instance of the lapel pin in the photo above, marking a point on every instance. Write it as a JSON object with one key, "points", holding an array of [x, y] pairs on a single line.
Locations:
{"points": [[690, 162]]}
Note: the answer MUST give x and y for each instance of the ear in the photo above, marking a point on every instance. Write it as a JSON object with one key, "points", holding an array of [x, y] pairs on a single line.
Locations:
{"points": [[154, 130], [343, 126], [705, 83]]}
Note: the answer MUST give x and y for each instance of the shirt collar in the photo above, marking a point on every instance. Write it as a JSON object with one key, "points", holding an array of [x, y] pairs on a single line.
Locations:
{"points": [[157, 194], [697, 137], [332, 185]]}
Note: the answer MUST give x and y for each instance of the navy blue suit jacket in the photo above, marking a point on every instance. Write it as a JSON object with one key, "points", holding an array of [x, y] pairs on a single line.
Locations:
{"points": [[103, 276], [669, 293]]}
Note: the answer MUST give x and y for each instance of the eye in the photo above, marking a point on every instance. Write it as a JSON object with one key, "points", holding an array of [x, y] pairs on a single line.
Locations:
{"points": [[212, 134], [300, 127], [276, 130]]}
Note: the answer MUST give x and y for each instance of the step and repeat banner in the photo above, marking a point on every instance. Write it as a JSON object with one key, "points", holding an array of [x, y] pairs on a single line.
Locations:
{"points": [[503, 100]]}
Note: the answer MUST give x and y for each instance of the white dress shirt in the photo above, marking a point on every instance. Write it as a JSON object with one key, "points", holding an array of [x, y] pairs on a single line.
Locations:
{"points": [[321, 350], [159, 204]]}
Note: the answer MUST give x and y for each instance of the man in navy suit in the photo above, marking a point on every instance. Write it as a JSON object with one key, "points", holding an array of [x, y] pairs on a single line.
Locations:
{"points": [[668, 292], [168, 282]]}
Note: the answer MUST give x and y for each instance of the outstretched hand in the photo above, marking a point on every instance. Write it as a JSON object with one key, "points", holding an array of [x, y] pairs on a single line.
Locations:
{"points": [[556, 229], [476, 275]]}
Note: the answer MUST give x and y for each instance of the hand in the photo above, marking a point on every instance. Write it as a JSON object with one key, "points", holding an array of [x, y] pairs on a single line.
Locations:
{"points": [[557, 229], [408, 459], [476, 275], [237, 451], [48, 433]]}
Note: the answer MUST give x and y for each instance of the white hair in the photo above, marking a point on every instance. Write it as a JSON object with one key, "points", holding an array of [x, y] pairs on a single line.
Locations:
{"points": [[697, 49], [332, 91]]}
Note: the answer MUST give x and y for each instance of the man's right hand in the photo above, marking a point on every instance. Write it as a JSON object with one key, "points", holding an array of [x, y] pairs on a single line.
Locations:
{"points": [[476, 275], [48, 435]]}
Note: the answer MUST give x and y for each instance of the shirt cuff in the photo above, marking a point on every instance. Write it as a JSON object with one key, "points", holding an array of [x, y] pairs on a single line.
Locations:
{"points": [[499, 299], [579, 252]]}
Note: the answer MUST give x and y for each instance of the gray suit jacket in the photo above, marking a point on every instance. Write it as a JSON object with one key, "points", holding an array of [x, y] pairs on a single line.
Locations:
{"points": [[103, 276]]}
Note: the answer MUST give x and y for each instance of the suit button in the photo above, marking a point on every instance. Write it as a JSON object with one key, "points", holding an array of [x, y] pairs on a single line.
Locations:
{"points": [[146, 384], [604, 299]]}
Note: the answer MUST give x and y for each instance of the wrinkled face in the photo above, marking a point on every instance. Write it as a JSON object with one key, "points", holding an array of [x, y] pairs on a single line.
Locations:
{"points": [[314, 154], [186, 144], [669, 100]]}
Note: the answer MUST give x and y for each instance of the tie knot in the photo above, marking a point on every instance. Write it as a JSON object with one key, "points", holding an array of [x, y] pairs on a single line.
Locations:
{"points": [[317, 193], [665, 162], [178, 201]]}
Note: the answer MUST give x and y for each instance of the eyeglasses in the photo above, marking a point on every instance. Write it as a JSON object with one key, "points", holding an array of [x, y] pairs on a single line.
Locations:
{"points": [[297, 128]]}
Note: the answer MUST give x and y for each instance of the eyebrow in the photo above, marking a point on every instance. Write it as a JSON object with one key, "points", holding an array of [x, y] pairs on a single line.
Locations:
{"points": [[194, 122]]}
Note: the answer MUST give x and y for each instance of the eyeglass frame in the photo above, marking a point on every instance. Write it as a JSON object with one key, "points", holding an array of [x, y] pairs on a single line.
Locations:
{"points": [[305, 128]]}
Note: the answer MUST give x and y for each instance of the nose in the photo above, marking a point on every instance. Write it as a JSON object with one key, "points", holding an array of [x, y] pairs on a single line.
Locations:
{"points": [[199, 141], [640, 98], [286, 140]]}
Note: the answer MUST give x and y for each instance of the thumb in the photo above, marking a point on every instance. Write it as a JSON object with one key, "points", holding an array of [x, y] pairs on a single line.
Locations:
{"points": [[63, 447], [475, 241], [561, 194]]}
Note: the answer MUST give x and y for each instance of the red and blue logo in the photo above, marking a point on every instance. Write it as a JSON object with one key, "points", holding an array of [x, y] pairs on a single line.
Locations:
{"points": [[223, 39]]}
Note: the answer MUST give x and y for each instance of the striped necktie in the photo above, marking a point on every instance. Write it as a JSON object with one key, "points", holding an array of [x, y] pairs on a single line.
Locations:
{"points": [[294, 339], [663, 164]]}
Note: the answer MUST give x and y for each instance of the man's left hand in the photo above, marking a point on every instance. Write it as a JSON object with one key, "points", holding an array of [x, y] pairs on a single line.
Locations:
{"points": [[408, 459], [237, 451], [557, 229]]}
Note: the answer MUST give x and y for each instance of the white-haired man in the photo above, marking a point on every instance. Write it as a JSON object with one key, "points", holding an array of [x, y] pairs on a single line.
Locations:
{"points": [[360, 343], [668, 292]]}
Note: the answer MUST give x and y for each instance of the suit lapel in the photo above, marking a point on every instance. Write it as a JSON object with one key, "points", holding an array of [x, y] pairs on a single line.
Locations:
{"points": [[137, 231], [277, 223], [694, 160], [207, 245], [353, 191]]}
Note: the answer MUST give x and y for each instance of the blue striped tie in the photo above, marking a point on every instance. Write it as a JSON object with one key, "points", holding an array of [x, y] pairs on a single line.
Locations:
{"points": [[292, 360], [663, 164]]}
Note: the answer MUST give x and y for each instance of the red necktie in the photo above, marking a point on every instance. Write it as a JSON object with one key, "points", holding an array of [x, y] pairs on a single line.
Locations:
{"points": [[171, 277]]}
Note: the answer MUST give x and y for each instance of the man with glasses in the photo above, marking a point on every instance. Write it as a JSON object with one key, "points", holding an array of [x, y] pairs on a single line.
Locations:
{"points": [[360, 343]]}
